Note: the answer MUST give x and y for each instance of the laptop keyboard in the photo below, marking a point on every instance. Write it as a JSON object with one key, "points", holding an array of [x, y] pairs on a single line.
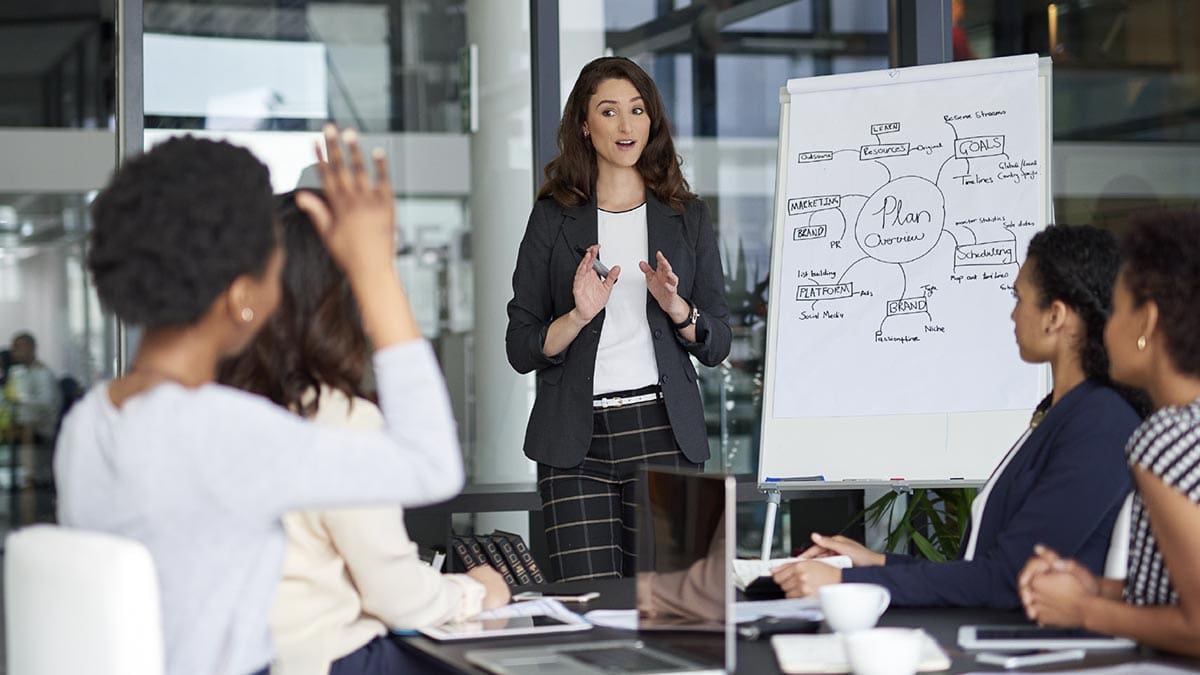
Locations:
{"points": [[622, 660]]}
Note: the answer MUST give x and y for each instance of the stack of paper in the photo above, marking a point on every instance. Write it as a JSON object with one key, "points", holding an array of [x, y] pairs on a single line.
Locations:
{"points": [[743, 612], [825, 653]]}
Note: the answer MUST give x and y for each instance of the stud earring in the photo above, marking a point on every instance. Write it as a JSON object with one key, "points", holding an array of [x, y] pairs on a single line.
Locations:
{"points": [[247, 314], [1141, 342], [586, 133]]}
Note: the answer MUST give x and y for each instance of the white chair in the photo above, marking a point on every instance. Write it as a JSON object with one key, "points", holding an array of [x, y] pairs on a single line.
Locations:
{"points": [[80, 602], [1117, 560]]}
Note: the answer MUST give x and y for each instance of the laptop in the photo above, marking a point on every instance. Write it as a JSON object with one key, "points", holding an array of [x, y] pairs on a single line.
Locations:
{"points": [[685, 593]]}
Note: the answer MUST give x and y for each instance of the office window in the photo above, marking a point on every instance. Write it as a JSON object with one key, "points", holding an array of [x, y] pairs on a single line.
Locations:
{"points": [[58, 64], [456, 129], [1126, 91], [56, 116]]}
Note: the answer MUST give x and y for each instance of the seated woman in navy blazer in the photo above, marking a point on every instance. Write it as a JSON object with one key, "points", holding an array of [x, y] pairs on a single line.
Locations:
{"points": [[1064, 480], [1154, 338]]}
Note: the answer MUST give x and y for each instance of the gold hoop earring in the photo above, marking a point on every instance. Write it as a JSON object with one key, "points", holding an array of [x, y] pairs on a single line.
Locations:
{"points": [[247, 314], [1141, 342]]}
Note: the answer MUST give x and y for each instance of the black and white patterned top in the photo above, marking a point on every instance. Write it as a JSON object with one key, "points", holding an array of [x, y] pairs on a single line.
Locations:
{"points": [[1167, 445]]}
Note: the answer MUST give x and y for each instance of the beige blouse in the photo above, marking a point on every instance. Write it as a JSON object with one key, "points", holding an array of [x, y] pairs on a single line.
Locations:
{"points": [[351, 574]]}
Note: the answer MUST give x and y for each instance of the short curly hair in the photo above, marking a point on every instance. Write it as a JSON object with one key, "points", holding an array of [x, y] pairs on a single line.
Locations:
{"points": [[176, 226], [1160, 257]]}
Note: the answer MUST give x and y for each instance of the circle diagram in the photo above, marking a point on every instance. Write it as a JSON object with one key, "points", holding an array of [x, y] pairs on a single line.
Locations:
{"points": [[902, 220]]}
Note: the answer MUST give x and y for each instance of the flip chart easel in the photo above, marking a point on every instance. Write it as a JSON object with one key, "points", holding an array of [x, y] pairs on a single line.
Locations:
{"points": [[904, 203]]}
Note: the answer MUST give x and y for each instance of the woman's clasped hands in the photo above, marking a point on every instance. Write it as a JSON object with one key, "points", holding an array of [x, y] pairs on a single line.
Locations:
{"points": [[1054, 589]]}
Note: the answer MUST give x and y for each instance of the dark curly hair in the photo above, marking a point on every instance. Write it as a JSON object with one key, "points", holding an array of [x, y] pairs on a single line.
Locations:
{"points": [[571, 177], [176, 226], [1077, 265], [1161, 263], [315, 336]]}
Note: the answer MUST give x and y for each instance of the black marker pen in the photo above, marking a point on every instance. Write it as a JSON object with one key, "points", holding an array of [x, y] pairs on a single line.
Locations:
{"points": [[601, 270]]}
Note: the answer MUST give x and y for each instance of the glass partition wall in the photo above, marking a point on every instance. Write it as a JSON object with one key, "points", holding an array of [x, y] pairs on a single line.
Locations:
{"points": [[56, 136], [454, 120]]}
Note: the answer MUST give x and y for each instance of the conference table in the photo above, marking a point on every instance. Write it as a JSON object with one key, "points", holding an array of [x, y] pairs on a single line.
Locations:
{"points": [[757, 657]]}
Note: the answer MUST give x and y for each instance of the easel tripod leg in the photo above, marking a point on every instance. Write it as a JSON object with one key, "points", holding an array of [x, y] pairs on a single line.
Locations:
{"points": [[769, 524]]}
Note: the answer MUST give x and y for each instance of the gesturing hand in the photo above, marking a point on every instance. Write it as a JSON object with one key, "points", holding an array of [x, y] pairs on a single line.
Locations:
{"points": [[662, 283], [357, 219], [591, 294]]}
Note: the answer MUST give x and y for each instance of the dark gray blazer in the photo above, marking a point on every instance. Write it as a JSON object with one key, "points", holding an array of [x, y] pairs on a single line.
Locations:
{"points": [[560, 426]]}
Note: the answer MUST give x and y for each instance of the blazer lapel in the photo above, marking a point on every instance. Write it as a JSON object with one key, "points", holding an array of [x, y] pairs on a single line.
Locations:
{"points": [[580, 227], [662, 228], [662, 232]]}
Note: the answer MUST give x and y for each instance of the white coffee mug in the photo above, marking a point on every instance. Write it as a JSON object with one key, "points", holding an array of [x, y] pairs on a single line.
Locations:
{"points": [[850, 607], [883, 651]]}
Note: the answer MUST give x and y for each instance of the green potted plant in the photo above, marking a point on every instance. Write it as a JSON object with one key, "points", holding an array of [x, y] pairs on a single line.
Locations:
{"points": [[933, 520]]}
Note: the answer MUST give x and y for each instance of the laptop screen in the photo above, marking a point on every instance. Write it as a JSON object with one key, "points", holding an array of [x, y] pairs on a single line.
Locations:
{"points": [[685, 548]]}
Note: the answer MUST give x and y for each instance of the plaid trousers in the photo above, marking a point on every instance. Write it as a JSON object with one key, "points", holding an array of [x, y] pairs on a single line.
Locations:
{"points": [[590, 509]]}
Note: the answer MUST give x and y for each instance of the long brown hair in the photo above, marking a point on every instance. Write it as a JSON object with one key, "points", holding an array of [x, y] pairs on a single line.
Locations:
{"points": [[571, 177], [315, 337]]}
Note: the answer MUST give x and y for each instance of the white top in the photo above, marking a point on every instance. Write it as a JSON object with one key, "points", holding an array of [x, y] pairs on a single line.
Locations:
{"points": [[625, 358], [979, 505], [201, 476], [351, 574]]}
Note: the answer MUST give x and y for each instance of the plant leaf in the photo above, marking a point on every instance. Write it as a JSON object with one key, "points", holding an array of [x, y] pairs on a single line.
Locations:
{"points": [[927, 549]]}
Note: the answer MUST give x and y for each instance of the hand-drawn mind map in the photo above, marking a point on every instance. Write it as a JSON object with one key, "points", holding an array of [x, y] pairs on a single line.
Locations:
{"points": [[907, 217]]}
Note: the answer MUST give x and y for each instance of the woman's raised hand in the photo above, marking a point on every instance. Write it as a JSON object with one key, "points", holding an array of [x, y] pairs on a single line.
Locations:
{"points": [[357, 223], [357, 220], [591, 293]]}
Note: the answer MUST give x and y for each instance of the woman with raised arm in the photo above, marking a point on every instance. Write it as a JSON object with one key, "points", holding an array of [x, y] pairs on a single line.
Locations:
{"points": [[1154, 339], [350, 575], [616, 388], [1063, 481], [185, 244]]}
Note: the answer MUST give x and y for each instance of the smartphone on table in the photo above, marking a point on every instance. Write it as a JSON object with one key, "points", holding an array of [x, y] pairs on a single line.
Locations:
{"points": [[1032, 657], [1028, 636]]}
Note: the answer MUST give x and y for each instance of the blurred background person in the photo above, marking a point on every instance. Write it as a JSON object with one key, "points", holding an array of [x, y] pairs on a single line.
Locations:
{"points": [[34, 401]]}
